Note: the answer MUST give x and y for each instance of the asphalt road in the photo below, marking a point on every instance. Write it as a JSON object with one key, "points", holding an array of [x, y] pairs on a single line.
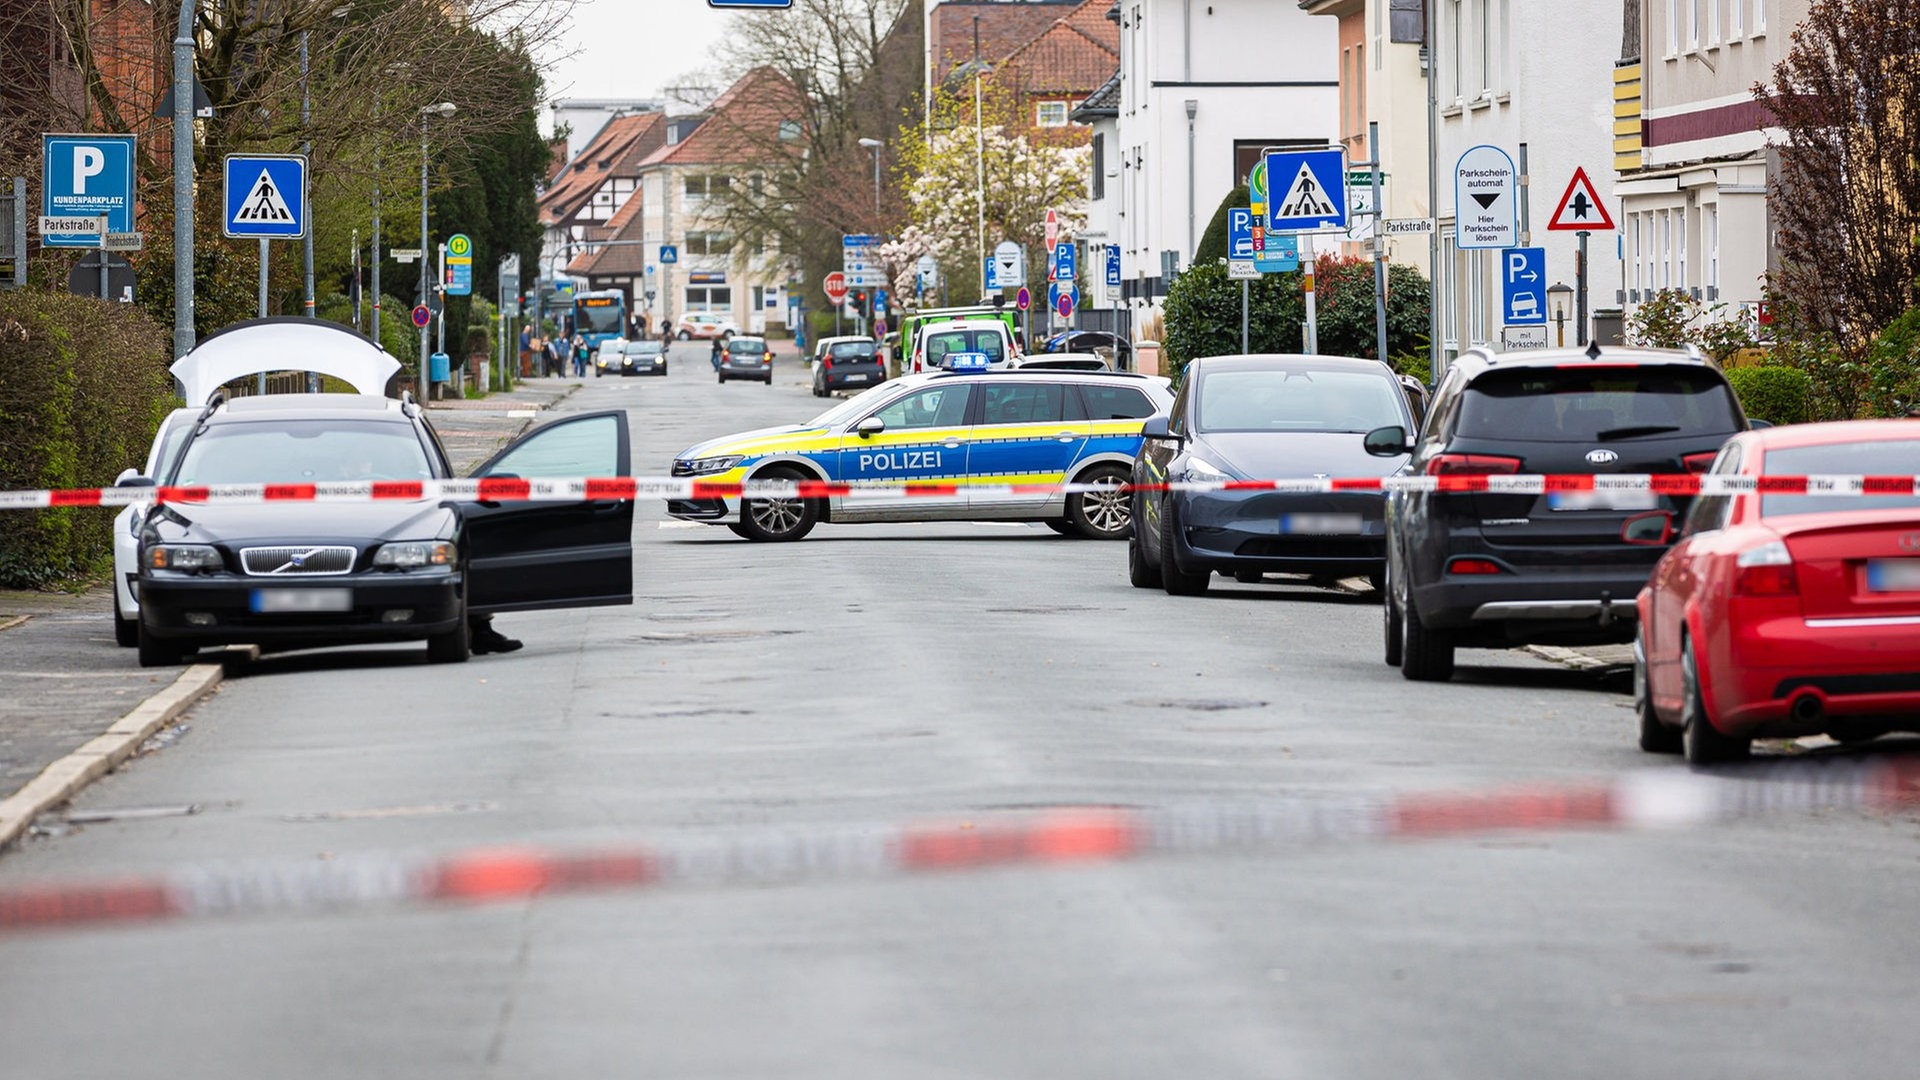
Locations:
{"points": [[885, 673]]}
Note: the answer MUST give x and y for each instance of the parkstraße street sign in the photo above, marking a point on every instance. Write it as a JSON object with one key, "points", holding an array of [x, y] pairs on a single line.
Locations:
{"points": [[85, 176], [1581, 208], [1486, 210]]}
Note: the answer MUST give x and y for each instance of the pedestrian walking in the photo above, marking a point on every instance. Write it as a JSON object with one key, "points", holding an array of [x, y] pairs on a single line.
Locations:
{"points": [[716, 354], [580, 351], [526, 352]]}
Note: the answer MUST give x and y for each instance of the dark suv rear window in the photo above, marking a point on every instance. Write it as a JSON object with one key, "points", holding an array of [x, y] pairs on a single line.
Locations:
{"points": [[1573, 404]]}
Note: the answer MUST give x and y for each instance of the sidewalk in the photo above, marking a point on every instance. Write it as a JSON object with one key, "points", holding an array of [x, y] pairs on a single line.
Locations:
{"points": [[67, 682]]}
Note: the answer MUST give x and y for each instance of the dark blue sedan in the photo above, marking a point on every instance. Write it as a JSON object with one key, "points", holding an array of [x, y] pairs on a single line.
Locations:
{"points": [[1265, 418]]}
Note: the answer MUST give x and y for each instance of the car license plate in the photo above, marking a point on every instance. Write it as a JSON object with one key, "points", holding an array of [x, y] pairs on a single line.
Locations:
{"points": [[1893, 575], [1602, 500], [856, 378], [1322, 524], [300, 601]]}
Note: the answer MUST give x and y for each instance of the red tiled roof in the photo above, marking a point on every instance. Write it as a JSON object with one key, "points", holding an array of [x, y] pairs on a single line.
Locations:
{"points": [[617, 150], [1074, 56], [619, 259], [1005, 26], [742, 126]]}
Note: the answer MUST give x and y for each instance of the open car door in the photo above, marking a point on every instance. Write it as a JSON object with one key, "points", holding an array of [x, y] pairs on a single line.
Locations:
{"points": [[525, 556]]}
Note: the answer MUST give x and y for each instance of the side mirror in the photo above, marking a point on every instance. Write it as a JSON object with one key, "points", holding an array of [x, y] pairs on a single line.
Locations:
{"points": [[1759, 425], [870, 427], [1387, 441], [131, 479], [1157, 427], [1651, 529]]}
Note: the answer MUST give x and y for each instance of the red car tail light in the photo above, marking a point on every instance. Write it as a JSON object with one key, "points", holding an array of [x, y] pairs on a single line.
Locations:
{"points": [[826, 363], [1472, 465], [1474, 566], [1699, 463], [1766, 570]]}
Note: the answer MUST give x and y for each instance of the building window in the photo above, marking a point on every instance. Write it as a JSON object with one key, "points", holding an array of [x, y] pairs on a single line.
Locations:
{"points": [[1050, 114], [789, 130], [708, 243], [1673, 27], [1486, 47], [1711, 242], [1635, 254], [1477, 322], [1097, 188], [1759, 17], [1680, 243], [1713, 21], [1693, 24], [1359, 90], [709, 297], [1666, 249], [1736, 20], [1449, 313], [699, 187], [1454, 27]]}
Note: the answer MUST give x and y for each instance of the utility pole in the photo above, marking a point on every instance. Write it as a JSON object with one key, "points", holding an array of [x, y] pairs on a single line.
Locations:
{"points": [[182, 182]]}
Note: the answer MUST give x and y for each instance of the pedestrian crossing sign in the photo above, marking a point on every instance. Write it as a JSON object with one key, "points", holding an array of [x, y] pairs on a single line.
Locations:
{"points": [[266, 196], [1306, 190]]}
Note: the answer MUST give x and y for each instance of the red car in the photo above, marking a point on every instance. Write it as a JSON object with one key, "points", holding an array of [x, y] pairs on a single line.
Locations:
{"points": [[1780, 615]]}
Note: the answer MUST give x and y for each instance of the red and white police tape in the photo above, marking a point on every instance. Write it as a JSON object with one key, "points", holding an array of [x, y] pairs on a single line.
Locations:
{"points": [[1646, 799], [503, 489]]}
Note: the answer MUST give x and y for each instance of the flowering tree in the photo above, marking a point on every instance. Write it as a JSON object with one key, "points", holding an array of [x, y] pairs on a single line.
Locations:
{"points": [[942, 173]]}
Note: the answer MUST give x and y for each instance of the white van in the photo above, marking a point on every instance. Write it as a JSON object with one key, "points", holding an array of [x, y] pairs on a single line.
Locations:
{"points": [[939, 340]]}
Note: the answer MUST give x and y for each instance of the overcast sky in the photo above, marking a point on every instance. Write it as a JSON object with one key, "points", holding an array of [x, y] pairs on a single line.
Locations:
{"points": [[634, 48]]}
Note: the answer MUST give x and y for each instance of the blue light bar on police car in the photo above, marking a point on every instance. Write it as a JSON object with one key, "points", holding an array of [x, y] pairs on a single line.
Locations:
{"points": [[968, 361]]}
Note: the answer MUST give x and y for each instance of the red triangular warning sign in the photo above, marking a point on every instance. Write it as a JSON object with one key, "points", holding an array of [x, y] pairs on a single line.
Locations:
{"points": [[1581, 209]]}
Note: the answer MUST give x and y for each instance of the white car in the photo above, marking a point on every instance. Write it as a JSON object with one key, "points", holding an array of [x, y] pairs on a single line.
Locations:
{"points": [[700, 325], [212, 364], [939, 340]]}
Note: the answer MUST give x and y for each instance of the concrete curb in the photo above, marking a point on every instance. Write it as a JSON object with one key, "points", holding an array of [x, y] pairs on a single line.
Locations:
{"points": [[1570, 657], [64, 778], [13, 621]]}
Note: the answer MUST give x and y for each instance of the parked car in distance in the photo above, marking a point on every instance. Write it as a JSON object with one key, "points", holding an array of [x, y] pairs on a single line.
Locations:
{"points": [[1486, 570], [608, 355], [706, 325], [746, 358], [1103, 342], [847, 364], [940, 340], [1781, 615], [1264, 417]]}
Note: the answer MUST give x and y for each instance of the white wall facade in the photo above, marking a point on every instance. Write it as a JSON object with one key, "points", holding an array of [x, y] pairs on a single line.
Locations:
{"points": [[1257, 71], [1498, 86]]}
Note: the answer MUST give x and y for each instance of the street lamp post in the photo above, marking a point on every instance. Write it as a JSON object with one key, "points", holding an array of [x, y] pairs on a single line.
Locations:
{"points": [[441, 109], [875, 145], [1559, 300]]}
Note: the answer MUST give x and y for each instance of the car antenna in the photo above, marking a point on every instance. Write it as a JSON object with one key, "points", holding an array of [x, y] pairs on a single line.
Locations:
{"points": [[1593, 350]]}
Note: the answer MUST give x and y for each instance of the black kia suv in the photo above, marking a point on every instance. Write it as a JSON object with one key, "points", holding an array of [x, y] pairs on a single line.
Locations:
{"points": [[1499, 570]]}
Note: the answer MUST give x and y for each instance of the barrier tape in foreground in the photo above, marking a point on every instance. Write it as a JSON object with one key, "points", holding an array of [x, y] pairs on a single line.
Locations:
{"points": [[1648, 799], [500, 489]]}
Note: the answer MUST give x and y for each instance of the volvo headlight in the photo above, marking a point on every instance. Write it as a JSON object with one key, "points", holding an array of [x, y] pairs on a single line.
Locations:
{"points": [[183, 557], [1204, 472], [705, 465], [409, 554]]}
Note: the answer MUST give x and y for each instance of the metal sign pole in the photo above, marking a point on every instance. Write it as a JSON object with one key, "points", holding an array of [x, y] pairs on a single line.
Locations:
{"points": [[1312, 328], [1580, 278], [1243, 315], [103, 257], [1379, 245], [261, 382], [20, 232]]}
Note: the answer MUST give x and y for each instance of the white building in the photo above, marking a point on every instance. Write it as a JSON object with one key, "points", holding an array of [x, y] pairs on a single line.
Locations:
{"points": [[1692, 149], [1514, 71], [1203, 88]]}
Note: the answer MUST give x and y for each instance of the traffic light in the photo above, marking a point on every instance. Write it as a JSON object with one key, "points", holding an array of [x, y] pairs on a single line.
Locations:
{"points": [[860, 301]]}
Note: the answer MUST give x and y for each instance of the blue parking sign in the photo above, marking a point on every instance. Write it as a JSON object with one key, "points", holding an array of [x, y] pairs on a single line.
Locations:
{"points": [[266, 196], [86, 176], [1239, 233], [1523, 286], [1068, 259], [1113, 265]]}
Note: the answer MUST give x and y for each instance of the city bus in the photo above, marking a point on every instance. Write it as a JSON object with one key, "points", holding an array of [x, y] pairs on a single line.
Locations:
{"points": [[599, 316]]}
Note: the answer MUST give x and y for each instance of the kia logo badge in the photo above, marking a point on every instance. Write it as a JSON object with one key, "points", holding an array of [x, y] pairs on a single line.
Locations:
{"points": [[1910, 542], [1602, 457]]}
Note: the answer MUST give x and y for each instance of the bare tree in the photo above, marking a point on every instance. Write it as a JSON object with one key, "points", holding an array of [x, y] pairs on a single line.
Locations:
{"points": [[1847, 193]]}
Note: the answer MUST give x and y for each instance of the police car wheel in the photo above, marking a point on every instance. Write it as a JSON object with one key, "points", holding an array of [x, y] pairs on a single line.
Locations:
{"points": [[778, 520], [1106, 514]]}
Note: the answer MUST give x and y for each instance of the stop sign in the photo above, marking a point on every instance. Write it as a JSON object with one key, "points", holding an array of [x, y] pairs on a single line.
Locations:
{"points": [[836, 286], [1053, 229]]}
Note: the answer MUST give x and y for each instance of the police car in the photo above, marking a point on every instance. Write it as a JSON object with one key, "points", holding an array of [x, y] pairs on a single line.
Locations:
{"points": [[968, 425]]}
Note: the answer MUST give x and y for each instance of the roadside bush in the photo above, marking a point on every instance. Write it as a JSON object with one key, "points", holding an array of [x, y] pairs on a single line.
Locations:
{"points": [[82, 390], [1776, 394]]}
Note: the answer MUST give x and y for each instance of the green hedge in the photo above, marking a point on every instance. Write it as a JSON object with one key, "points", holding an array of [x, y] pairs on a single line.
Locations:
{"points": [[83, 387], [1778, 395]]}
